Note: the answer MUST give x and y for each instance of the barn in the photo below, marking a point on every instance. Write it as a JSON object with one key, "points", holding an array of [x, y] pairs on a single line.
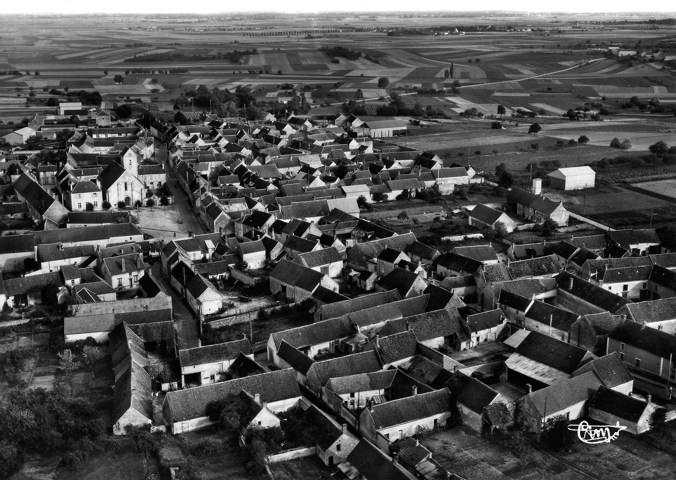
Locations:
{"points": [[573, 178]]}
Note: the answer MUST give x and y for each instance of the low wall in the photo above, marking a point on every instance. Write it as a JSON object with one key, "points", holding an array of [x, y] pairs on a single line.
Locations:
{"points": [[291, 454], [421, 210], [243, 277], [159, 302]]}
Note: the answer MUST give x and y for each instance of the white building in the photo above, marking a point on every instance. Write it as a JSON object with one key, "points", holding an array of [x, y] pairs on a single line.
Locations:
{"points": [[573, 178]]}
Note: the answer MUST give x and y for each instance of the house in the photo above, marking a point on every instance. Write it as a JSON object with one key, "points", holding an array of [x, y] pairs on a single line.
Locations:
{"points": [[514, 306], [388, 422], [591, 331], [583, 297], [120, 185], [319, 373], [481, 253], [540, 360], [572, 178], [20, 136], [432, 329], [82, 195], [354, 392], [378, 127], [356, 304], [209, 364], [327, 261], [483, 216], [418, 460], [535, 207], [570, 397], [53, 256], [447, 178], [460, 286], [132, 391], [362, 256], [368, 462], [336, 444], [421, 253], [123, 271], [637, 242], [184, 410], [550, 320], [396, 349], [647, 349], [472, 397], [297, 282], [453, 265], [485, 326], [203, 297], [628, 282], [291, 357], [388, 259], [540, 267], [30, 290], [408, 284], [41, 205], [252, 253], [612, 408], [659, 314]]}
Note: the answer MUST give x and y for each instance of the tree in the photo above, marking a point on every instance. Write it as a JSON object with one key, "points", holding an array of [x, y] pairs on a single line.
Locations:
{"points": [[123, 111], [548, 227], [659, 148], [106, 205], [583, 139], [89, 207], [499, 169], [105, 72], [501, 110], [118, 79], [67, 362], [496, 125], [138, 203], [403, 215], [52, 102], [91, 354], [534, 128], [164, 200], [383, 82], [150, 203], [121, 205], [506, 179], [180, 118]]}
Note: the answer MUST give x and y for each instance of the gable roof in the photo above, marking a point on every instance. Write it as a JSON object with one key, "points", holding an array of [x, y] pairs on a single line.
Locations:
{"points": [[645, 338], [399, 279], [295, 358], [536, 202], [618, 404], [214, 353], [547, 314], [409, 409], [360, 382], [564, 394], [272, 387], [534, 267], [373, 464], [355, 363], [397, 346], [551, 352], [590, 292], [297, 275], [362, 302], [110, 175], [485, 214], [315, 333], [609, 368], [319, 258]]}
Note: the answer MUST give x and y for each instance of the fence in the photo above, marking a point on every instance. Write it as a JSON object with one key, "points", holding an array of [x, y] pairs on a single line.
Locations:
{"points": [[291, 454], [243, 277], [422, 210]]}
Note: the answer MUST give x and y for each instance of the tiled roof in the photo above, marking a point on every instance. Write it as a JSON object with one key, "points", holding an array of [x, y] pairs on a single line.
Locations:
{"points": [[409, 409], [547, 314], [295, 358], [666, 260], [363, 362], [534, 267], [480, 253], [627, 238], [513, 300], [110, 174], [426, 326], [653, 311], [373, 464], [485, 320], [618, 404], [361, 382], [663, 277], [610, 369], [485, 214], [497, 272], [319, 258], [85, 186], [397, 347], [272, 387], [625, 274], [458, 263], [551, 352], [564, 394], [314, 334], [590, 293], [536, 202], [297, 275], [440, 297], [362, 302], [604, 322], [16, 243], [399, 279], [54, 252], [214, 353]]}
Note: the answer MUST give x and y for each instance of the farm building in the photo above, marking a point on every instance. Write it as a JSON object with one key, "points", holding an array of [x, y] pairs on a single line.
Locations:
{"points": [[573, 178], [19, 137], [483, 216], [380, 128], [535, 207]]}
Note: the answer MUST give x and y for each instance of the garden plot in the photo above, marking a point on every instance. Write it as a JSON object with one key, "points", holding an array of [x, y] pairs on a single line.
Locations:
{"points": [[382, 72], [75, 54], [123, 89], [640, 141], [203, 81], [549, 108], [468, 71], [521, 68], [511, 94], [665, 188]]}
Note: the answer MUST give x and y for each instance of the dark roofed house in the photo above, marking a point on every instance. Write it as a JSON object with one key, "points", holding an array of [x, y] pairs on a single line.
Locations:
{"points": [[41, 205], [481, 253], [550, 320], [483, 216], [591, 331], [485, 326], [208, 364], [612, 408], [546, 266], [394, 420], [472, 397], [583, 297], [368, 462], [185, 410], [396, 349], [327, 261], [536, 208], [297, 282], [637, 241], [540, 360], [407, 283], [290, 356], [321, 372]]}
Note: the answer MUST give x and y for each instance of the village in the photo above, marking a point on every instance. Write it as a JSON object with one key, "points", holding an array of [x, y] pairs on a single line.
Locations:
{"points": [[329, 295]]}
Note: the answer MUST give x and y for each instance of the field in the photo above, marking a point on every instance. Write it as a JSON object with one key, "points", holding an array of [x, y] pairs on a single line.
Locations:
{"points": [[665, 188]]}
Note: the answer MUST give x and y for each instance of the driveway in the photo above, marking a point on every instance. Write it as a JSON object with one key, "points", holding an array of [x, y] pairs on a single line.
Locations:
{"points": [[184, 320]]}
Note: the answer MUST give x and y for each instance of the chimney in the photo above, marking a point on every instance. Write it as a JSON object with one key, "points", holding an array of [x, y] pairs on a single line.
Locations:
{"points": [[570, 283], [648, 398], [377, 341], [529, 387], [257, 397], [139, 263], [455, 368], [344, 428], [536, 188], [371, 405], [416, 442], [60, 246], [414, 389], [408, 326], [124, 266], [394, 458]]}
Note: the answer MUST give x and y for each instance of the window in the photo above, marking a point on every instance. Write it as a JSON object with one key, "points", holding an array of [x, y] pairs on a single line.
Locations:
{"points": [[387, 435], [621, 346], [94, 194], [338, 448], [638, 362], [125, 186], [79, 205], [625, 287], [622, 356], [96, 204], [352, 395], [135, 278], [659, 327], [119, 282]]}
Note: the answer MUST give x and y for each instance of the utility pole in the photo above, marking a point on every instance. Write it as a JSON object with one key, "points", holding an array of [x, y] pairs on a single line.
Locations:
{"points": [[584, 205], [651, 217]]}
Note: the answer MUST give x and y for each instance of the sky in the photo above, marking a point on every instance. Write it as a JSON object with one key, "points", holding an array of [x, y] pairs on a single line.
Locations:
{"points": [[308, 6]]}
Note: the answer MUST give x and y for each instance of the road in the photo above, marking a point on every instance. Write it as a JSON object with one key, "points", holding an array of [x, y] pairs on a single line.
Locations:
{"points": [[180, 201], [184, 320]]}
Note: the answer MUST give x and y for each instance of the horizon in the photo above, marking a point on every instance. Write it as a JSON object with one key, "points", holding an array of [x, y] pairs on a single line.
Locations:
{"points": [[211, 7]]}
